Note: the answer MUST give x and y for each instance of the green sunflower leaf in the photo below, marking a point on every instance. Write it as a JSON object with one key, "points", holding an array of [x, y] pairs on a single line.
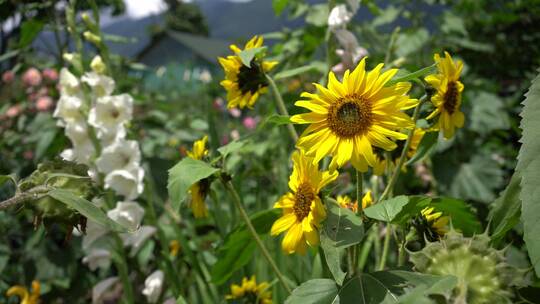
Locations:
{"points": [[388, 209], [529, 168], [506, 209], [413, 75], [316, 291], [246, 56], [184, 174], [86, 208], [427, 144], [278, 119], [296, 71], [342, 226], [463, 218]]}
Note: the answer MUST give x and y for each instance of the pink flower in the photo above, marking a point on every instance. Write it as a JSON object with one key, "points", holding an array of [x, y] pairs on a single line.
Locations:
{"points": [[13, 111], [8, 76], [235, 112], [44, 103], [32, 77], [28, 154], [250, 122], [50, 74]]}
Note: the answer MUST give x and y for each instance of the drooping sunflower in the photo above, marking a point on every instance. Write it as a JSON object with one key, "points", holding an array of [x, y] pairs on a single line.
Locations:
{"points": [[447, 98], [25, 296], [250, 292], [245, 84], [380, 161], [302, 207], [350, 117], [344, 201], [436, 222], [199, 190], [367, 200]]}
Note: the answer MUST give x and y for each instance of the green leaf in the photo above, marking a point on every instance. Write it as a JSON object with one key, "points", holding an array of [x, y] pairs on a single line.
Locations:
{"points": [[238, 247], [184, 174], [529, 168], [45, 140], [389, 14], [471, 45], [294, 72], [388, 209], [333, 256], [488, 113], [426, 146], [181, 300], [318, 15], [413, 75], [506, 209], [246, 56], [279, 119], [232, 147], [409, 43], [279, 6], [5, 178], [342, 226], [412, 209], [86, 208], [463, 218], [316, 291], [29, 31], [8, 55]]}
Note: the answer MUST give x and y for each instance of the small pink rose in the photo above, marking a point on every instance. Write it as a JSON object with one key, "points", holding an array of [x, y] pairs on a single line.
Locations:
{"points": [[13, 111], [44, 103], [50, 74], [250, 122], [32, 77], [8, 76]]}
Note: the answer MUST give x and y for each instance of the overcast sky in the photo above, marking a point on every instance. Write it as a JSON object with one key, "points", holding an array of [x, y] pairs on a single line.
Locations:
{"points": [[143, 8]]}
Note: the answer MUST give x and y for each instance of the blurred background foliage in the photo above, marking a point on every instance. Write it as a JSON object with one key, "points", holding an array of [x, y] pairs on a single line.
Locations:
{"points": [[168, 63]]}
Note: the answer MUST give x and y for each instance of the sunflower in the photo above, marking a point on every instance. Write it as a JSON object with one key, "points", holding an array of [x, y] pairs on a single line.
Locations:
{"points": [[380, 162], [250, 292], [436, 222], [245, 84], [199, 190], [345, 201], [447, 98], [302, 207], [350, 117], [25, 296], [367, 200]]}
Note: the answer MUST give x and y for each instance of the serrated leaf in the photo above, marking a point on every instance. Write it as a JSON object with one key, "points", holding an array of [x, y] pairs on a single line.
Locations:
{"points": [[529, 168], [86, 208], [184, 174], [488, 113], [426, 146], [342, 226], [388, 209], [238, 247], [316, 291], [506, 209], [294, 72], [246, 56]]}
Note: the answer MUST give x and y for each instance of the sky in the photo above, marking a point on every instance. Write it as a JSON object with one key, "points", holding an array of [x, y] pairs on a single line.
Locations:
{"points": [[142, 8]]}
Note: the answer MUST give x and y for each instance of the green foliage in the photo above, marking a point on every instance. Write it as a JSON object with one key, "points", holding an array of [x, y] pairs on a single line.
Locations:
{"points": [[29, 31], [316, 291], [342, 227], [529, 168], [388, 209], [506, 209], [246, 56], [183, 175]]}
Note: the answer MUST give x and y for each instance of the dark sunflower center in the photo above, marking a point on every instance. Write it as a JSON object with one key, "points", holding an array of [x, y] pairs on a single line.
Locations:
{"points": [[204, 187], [249, 297], [451, 97], [251, 79], [302, 201], [350, 116]]}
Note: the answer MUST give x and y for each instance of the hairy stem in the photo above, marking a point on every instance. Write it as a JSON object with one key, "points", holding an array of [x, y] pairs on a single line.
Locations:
{"points": [[386, 245], [238, 203], [281, 107], [19, 198]]}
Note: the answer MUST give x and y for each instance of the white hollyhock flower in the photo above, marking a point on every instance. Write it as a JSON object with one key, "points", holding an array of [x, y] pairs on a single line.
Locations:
{"points": [[153, 285], [83, 148], [136, 239], [110, 112], [100, 288], [120, 155], [101, 85], [339, 17], [350, 52], [97, 258], [69, 83], [109, 136], [126, 182], [68, 108], [127, 214]]}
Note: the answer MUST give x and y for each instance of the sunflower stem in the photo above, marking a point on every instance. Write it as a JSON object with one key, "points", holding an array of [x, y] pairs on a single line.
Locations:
{"points": [[386, 245], [359, 188], [403, 156], [281, 107], [390, 48], [238, 202]]}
